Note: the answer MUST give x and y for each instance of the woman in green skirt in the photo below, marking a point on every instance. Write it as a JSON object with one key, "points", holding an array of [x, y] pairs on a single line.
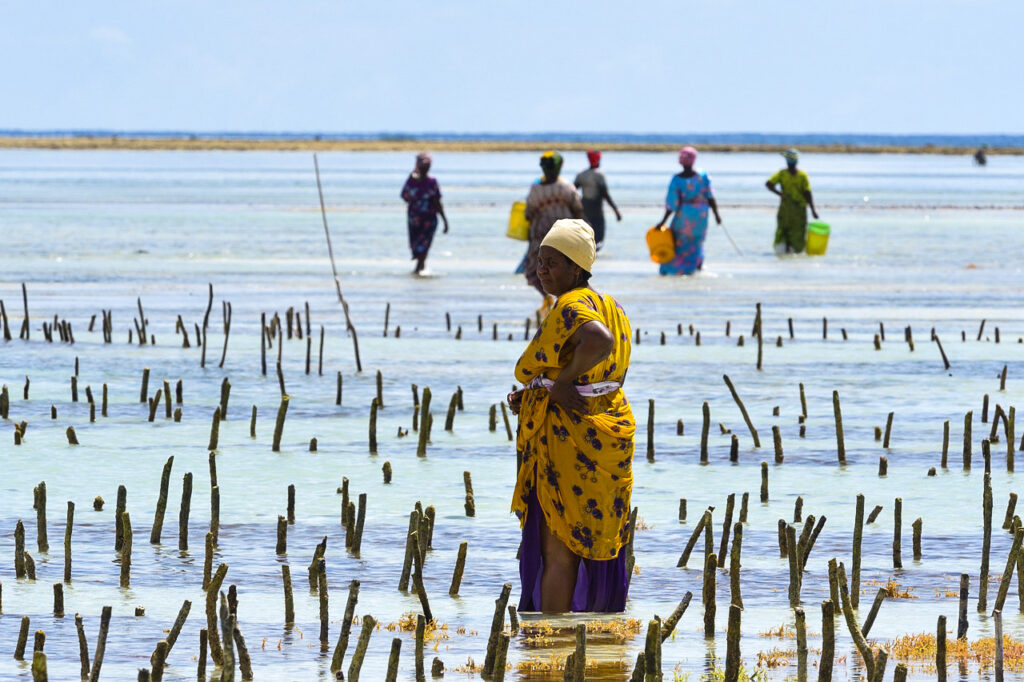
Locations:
{"points": [[794, 189]]}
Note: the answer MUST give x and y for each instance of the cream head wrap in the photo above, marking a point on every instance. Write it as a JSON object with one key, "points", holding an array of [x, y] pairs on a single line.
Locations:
{"points": [[574, 239]]}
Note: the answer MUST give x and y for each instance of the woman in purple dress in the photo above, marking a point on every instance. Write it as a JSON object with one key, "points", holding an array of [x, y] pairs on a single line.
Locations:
{"points": [[423, 195]]}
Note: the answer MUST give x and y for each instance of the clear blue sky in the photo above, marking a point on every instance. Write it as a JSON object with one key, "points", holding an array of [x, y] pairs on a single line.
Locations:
{"points": [[898, 66]]}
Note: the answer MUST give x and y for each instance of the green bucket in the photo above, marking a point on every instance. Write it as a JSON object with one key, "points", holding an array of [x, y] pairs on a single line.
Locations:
{"points": [[817, 238]]}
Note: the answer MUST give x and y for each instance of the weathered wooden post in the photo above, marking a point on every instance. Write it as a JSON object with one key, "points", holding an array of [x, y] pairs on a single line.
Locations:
{"points": [[840, 441], [858, 535]]}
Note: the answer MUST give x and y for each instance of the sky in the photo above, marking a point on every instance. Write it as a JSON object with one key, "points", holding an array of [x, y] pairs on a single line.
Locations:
{"points": [[869, 66]]}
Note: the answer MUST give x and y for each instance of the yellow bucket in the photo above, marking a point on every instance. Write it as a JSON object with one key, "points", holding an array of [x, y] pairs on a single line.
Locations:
{"points": [[662, 244], [518, 225], [817, 238]]}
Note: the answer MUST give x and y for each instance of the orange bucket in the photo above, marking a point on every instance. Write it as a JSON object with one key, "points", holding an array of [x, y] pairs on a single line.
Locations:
{"points": [[662, 244]]}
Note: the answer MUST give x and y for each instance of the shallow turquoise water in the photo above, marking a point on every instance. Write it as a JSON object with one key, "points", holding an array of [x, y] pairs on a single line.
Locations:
{"points": [[920, 241]]}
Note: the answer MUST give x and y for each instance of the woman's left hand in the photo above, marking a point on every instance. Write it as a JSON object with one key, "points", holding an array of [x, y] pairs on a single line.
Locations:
{"points": [[566, 396], [446, 226]]}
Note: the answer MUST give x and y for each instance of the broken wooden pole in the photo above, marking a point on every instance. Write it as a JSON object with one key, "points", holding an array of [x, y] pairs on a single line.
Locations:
{"points": [[743, 409], [282, 411], [356, 664], [161, 502], [840, 444], [497, 626]]}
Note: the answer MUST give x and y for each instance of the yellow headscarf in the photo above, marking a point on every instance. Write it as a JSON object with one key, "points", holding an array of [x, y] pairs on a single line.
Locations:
{"points": [[574, 239]]}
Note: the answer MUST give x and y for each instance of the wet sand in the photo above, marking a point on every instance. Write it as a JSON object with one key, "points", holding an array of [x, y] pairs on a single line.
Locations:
{"points": [[412, 144]]}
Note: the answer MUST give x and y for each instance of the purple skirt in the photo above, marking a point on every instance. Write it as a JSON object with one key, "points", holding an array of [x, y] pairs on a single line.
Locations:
{"points": [[600, 585]]}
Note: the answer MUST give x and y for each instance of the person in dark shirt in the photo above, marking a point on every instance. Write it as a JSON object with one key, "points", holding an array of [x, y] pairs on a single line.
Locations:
{"points": [[594, 189]]}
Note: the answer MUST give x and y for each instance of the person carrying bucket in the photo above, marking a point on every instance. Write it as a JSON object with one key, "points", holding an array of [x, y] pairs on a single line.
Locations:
{"points": [[794, 189]]}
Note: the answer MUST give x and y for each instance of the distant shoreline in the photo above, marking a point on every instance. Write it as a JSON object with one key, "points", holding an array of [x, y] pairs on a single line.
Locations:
{"points": [[411, 144]]}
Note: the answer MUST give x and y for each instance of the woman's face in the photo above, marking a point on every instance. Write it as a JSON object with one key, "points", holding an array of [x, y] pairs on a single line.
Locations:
{"points": [[422, 167], [557, 274]]}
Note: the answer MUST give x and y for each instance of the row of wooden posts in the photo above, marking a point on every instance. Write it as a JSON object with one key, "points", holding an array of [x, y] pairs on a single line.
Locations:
{"points": [[277, 327]]}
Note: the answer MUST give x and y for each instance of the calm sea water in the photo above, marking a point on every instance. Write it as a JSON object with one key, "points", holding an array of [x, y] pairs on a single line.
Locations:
{"points": [[925, 242]]}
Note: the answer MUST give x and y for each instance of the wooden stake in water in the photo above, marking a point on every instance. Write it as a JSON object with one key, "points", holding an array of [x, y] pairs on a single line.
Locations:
{"points": [[374, 406], [122, 502], [39, 493], [650, 430], [897, 540], [698, 530], [840, 444], [705, 428], [212, 590], [214, 430], [793, 554], [186, 505], [356, 664], [1011, 563], [986, 543], [858, 535], [421, 448], [282, 411], [851, 622], [161, 502], [337, 282], [764, 482], [321, 572], [460, 565], [708, 595], [497, 626], [726, 528], [940, 650], [289, 603], [68, 526], [743, 410], [734, 565], [126, 550], [962, 624], [968, 421], [346, 627]]}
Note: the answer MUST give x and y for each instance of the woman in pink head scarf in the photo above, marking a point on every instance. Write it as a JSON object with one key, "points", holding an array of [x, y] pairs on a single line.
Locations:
{"points": [[689, 198], [423, 195]]}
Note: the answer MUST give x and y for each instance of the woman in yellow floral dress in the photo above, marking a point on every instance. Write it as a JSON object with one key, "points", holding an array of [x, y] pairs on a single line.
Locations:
{"points": [[575, 433]]}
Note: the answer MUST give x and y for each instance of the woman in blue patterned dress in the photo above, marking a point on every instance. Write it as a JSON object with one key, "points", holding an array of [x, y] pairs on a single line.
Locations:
{"points": [[423, 195], [689, 197]]}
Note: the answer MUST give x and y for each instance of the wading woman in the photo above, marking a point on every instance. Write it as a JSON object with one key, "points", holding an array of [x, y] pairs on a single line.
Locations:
{"points": [[549, 199], [689, 198], [575, 433], [793, 188], [423, 195]]}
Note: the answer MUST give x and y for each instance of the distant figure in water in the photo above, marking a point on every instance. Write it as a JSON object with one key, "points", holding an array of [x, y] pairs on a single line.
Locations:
{"points": [[550, 199], [794, 189], [689, 198], [423, 195], [576, 430], [980, 158], [594, 189]]}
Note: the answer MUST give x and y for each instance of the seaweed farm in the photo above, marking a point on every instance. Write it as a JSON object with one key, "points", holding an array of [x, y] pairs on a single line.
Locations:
{"points": [[185, 360]]}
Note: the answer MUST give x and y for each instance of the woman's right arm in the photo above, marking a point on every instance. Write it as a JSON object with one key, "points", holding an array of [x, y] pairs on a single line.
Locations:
{"points": [[671, 203], [668, 212]]}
